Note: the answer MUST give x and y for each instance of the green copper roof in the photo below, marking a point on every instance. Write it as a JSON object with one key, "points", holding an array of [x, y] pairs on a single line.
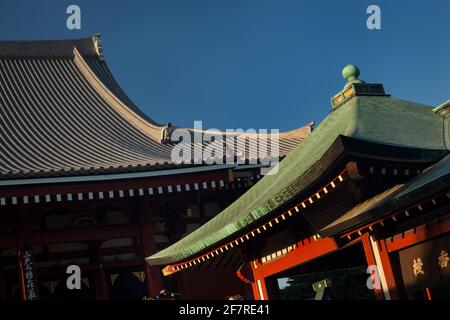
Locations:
{"points": [[379, 119]]}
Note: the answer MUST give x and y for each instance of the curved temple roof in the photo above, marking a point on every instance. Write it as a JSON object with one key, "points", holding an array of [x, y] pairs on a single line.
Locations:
{"points": [[376, 118], [62, 113]]}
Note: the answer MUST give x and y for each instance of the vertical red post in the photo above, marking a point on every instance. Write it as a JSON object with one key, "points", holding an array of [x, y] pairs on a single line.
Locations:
{"points": [[259, 285], [370, 258], [101, 277], [428, 293], [377, 255], [103, 284], [388, 270], [153, 274], [20, 242], [21, 271]]}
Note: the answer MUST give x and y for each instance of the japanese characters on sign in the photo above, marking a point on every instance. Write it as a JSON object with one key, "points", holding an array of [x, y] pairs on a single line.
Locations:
{"points": [[417, 267], [425, 264], [443, 259], [28, 274]]}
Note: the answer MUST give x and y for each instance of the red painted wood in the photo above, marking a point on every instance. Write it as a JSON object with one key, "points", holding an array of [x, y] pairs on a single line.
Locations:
{"points": [[64, 236], [428, 294], [21, 275], [102, 285], [44, 272], [122, 264], [418, 235], [79, 254], [241, 277], [19, 243], [388, 270], [304, 252], [115, 185], [370, 258], [153, 278], [258, 275], [100, 276]]}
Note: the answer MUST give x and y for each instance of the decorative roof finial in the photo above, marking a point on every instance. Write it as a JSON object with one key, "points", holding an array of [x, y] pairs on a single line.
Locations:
{"points": [[98, 46], [351, 74], [355, 87]]}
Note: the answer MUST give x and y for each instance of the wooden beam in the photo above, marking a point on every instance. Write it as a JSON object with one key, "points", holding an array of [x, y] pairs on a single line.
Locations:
{"points": [[73, 235], [153, 278], [388, 270], [114, 185], [301, 254], [418, 235], [61, 269], [259, 285], [67, 255], [100, 277], [370, 258], [20, 242], [377, 255]]}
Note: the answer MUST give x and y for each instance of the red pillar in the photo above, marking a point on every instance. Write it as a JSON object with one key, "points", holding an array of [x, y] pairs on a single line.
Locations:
{"points": [[102, 284], [153, 274], [22, 289], [377, 255], [259, 285], [20, 242], [370, 258], [101, 277]]}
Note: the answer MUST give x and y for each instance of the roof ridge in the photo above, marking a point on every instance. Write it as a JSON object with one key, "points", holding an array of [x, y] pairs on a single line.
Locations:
{"points": [[296, 133], [145, 125], [39, 48]]}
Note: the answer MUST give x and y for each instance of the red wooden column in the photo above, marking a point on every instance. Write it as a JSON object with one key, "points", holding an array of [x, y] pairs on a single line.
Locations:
{"points": [[377, 255], [101, 277], [20, 243], [370, 258], [303, 251], [259, 285], [102, 284], [153, 276]]}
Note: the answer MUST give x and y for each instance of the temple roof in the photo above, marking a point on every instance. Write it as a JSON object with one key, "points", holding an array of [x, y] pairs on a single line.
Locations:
{"points": [[433, 180], [376, 119], [62, 114]]}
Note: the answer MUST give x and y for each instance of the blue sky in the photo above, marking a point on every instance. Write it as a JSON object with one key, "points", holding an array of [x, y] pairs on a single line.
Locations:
{"points": [[251, 63]]}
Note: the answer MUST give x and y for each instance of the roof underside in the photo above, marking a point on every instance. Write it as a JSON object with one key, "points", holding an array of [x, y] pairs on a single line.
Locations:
{"points": [[383, 120], [63, 114], [433, 180]]}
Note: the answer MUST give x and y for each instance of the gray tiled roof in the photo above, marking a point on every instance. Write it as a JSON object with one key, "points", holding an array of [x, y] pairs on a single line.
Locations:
{"points": [[62, 113]]}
